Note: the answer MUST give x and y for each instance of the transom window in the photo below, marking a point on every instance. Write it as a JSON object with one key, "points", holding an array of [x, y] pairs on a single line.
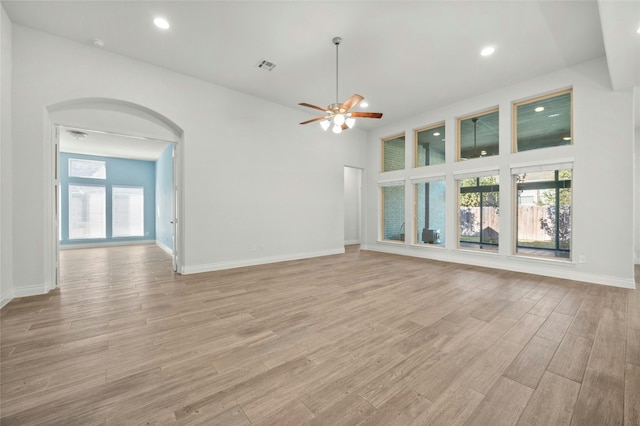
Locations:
{"points": [[393, 153], [478, 135], [430, 143], [543, 122], [90, 169]]}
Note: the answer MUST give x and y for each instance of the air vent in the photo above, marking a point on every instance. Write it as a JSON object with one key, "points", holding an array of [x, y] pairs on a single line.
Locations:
{"points": [[266, 65]]}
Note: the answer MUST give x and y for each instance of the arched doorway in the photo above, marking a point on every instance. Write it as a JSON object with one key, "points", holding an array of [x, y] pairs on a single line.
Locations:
{"points": [[116, 119]]}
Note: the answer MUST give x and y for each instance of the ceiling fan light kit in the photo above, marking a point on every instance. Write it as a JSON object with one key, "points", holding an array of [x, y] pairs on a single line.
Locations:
{"points": [[338, 116]]}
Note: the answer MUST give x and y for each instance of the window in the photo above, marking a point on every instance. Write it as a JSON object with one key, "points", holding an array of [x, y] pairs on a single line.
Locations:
{"points": [[393, 228], [479, 213], [393, 153], [543, 122], [543, 213], [87, 168], [87, 206], [478, 135], [430, 211], [430, 145], [128, 211]]}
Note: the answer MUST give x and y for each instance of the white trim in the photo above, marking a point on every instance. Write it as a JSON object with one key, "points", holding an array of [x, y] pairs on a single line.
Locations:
{"points": [[428, 178], [32, 290], [219, 266], [474, 173], [6, 298], [350, 242], [105, 244], [541, 166], [164, 248], [529, 266], [394, 182]]}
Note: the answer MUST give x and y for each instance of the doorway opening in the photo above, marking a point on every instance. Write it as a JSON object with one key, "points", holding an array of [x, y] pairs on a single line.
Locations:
{"points": [[352, 206], [115, 180]]}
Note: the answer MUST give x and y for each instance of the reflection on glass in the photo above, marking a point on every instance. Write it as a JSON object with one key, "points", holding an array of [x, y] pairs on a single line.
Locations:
{"points": [[544, 214], [544, 123], [479, 136], [479, 213], [393, 154], [430, 146], [393, 213], [430, 212]]}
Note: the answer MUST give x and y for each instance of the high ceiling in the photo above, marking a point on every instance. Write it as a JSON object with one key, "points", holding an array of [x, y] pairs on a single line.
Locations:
{"points": [[404, 57]]}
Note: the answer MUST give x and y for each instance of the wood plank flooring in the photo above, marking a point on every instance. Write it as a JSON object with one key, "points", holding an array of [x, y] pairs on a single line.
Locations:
{"points": [[362, 338]]}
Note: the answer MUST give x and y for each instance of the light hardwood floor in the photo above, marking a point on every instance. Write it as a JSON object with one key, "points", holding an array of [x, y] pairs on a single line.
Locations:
{"points": [[362, 338]]}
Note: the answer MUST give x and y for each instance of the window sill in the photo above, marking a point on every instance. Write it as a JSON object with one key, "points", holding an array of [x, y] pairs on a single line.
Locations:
{"points": [[543, 260], [434, 246]]}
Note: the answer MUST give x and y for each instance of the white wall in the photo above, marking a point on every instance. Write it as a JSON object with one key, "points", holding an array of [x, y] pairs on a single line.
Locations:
{"points": [[352, 213], [258, 187], [602, 185], [6, 226]]}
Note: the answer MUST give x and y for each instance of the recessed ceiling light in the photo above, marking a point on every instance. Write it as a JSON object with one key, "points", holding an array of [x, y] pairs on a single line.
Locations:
{"points": [[638, 31], [98, 43], [566, 138], [488, 51], [161, 23], [364, 104], [436, 134], [539, 109]]}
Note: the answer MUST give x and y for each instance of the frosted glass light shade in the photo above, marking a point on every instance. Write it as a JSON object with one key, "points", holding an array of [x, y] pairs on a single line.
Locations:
{"points": [[338, 119], [325, 124], [337, 129], [350, 122]]}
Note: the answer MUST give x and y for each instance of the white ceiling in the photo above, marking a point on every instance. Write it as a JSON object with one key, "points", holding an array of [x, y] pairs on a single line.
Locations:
{"points": [[404, 57], [110, 145]]}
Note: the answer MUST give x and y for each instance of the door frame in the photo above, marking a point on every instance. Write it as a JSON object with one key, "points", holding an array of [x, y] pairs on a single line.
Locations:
{"points": [[51, 166]]}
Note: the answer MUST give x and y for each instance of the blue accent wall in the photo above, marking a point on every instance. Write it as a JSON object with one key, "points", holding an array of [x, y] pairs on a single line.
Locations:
{"points": [[120, 172], [164, 198]]}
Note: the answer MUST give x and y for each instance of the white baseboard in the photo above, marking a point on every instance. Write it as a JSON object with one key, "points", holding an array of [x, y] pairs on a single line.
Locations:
{"points": [[33, 290], [6, 298], [563, 270], [219, 266], [349, 242], [164, 248], [105, 244]]}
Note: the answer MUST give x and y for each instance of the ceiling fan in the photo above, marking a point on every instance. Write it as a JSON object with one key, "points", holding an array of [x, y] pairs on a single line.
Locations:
{"points": [[338, 114]]}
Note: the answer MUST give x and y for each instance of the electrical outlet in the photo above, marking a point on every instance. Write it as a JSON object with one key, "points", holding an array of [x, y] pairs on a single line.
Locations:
{"points": [[582, 259], [254, 247]]}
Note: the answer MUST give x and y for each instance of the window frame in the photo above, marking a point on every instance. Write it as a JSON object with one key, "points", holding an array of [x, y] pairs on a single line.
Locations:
{"points": [[69, 215], [514, 117], [382, 156], [113, 215], [415, 182], [558, 184], [491, 188], [382, 186], [415, 143], [459, 121]]}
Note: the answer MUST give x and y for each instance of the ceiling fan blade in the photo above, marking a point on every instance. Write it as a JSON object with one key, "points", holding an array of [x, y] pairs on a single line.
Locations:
{"points": [[313, 106], [349, 103], [366, 114], [314, 119]]}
